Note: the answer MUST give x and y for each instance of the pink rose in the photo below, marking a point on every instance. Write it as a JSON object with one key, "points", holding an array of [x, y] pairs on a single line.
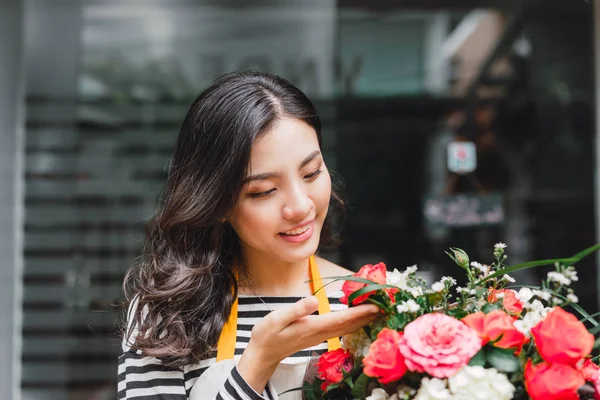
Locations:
{"points": [[438, 345]]}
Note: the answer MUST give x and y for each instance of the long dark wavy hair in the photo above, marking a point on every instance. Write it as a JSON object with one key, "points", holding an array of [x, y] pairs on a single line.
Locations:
{"points": [[184, 283]]}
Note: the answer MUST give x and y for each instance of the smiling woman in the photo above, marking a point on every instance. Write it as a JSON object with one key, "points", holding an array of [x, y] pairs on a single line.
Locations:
{"points": [[220, 306]]}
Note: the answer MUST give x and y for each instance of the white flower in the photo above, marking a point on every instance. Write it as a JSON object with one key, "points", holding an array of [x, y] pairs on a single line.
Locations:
{"points": [[357, 343], [525, 294], [500, 245], [508, 278], [401, 280], [537, 312], [465, 290], [554, 276], [571, 274], [438, 286], [572, 298], [433, 389], [378, 394], [396, 278], [410, 306], [411, 270], [482, 268], [556, 301], [480, 383], [405, 392], [449, 279], [542, 294]]}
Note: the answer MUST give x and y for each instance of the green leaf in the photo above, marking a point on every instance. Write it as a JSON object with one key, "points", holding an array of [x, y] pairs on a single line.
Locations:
{"points": [[589, 316], [305, 388], [478, 359], [341, 278], [367, 289], [586, 252], [489, 307], [359, 391], [530, 264], [503, 359], [571, 260]]}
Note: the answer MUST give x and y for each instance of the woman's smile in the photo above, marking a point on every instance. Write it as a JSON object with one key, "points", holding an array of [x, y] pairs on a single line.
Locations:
{"points": [[299, 235]]}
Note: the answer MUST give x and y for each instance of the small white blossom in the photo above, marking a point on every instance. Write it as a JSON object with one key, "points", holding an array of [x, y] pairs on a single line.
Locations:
{"points": [[415, 291], [499, 245], [537, 312], [411, 270], [465, 290], [542, 294], [554, 276], [449, 279], [401, 280], [438, 286], [480, 383], [378, 394], [482, 268], [499, 295], [572, 298], [410, 306], [508, 278], [405, 392], [571, 274], [396, 278], [433, 389], [556, 301], [525, 294], [357, 343]]}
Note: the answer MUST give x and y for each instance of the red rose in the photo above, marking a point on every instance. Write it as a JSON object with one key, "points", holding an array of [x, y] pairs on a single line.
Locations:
{"points": [[331, 365], [562, 338], [494, 325], [552, 381], [375, 273], [477, 322], [384, 360], [591, 373], [499, 324], [509, 299]]}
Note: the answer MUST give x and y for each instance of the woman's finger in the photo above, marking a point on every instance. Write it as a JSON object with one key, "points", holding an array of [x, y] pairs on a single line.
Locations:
{"points": [[339, 321], [283, 317]]}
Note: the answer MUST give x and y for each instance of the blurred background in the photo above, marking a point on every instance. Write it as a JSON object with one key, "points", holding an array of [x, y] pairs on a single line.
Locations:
{"points": [[452, 122]]}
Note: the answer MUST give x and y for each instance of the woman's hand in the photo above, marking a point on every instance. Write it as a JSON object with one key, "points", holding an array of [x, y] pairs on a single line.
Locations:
{"points": [[288, 330]]}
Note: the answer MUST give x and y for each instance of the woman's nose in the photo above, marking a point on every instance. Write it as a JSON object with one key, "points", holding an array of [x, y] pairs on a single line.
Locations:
{"points": [[298, 204]]}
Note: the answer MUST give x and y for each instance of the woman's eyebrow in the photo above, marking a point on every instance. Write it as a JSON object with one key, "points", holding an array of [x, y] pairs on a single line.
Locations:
{"points": [[309, 158], [269, 175]]}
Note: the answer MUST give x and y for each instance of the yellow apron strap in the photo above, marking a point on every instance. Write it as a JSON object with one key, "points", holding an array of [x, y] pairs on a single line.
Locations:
{"points": [[316, 283], [228, 338]]}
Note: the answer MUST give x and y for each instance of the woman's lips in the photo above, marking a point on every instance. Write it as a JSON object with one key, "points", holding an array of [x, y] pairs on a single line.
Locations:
{"points": [[304, 233]]}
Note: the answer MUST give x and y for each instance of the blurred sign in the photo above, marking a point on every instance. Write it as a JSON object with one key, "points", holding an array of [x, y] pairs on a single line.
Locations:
{"points": [[463, 210], [462, 157]]}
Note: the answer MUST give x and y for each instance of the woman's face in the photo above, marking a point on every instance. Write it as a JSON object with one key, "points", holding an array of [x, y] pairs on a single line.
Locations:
{"points": [[286, 194]]}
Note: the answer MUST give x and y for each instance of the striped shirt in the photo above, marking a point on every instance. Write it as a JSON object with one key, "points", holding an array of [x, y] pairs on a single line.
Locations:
{"points": [[146, 378]]}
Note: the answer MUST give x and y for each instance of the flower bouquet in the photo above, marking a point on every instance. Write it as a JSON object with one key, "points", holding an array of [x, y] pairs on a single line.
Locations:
{"points": [[486, 340]]}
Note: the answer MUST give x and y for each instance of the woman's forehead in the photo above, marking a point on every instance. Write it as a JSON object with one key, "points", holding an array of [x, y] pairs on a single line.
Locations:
{"points": [[288, 142]]}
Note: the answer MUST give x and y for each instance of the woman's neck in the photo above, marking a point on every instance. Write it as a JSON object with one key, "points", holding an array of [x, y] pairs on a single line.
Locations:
{"points": [[273, 277]]}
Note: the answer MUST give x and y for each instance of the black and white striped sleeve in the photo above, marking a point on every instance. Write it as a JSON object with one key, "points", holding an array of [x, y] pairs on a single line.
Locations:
{"points": [[145, 378]]}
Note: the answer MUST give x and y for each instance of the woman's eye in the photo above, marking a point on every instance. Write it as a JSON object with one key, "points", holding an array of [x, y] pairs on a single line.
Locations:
{"points": [[313, 175], [261, 194]]}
